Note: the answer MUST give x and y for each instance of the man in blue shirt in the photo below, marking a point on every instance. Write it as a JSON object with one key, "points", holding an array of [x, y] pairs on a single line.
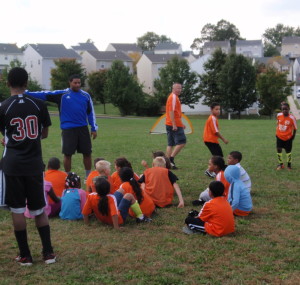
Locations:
{"points": [[76, 111]]}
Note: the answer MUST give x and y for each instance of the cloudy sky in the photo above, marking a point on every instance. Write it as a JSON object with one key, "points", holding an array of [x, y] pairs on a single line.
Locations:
{"points": [[110, 21]]}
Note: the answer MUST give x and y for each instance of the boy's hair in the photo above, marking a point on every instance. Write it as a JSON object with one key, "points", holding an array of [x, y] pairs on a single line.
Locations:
{"points": [[214, 104], [285, 105], [102, 187], [97, 159], [236, 155], [161, 153], [218, 161], [159, 161], [74, 76], [122, 162], [216, 188], [126, 174], [53, 163], [102, 165], [17, 77], [72, 180]]}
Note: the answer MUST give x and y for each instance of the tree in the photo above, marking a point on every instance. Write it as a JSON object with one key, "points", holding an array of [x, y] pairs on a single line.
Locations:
{"points": [[224, 30], [237, 81], [209, 80], [122, 89], [96, 82], [177, 70], [273, 88], [32, 84], [150, 40], [273, 38], [66, 67]]}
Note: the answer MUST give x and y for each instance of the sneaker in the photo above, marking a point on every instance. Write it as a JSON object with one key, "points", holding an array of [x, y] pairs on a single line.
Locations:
{"points": [[198, 202], [173, 166], [24, 261], [49, 258], [280, 166], [188, 231], [289, 166], [145, 219], [210, 174]]}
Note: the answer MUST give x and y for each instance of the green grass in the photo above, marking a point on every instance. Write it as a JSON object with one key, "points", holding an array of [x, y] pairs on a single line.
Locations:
{"points": [[263, 250]]}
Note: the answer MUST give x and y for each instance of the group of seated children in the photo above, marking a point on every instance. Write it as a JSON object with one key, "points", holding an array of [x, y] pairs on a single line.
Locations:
{"points": [[229, 195]]}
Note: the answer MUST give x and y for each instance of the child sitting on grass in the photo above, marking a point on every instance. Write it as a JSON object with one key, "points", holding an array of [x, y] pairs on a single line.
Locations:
{"points": [[73, 199], [239, 196], [111, 209], [215, 218], [217, 165], [159, 183], [103, 169], [130, 185], [234, 158], [94, 173], [156, 154]]}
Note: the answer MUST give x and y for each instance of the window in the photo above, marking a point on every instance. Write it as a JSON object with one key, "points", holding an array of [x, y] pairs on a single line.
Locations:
{"points": [[39, 62], [6, 58]]}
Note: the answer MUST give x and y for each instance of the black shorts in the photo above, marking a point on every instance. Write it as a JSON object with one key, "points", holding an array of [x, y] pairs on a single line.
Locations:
{"points": [[20, 189], [76, 139], [175, 137], [214, 148], [287, 145], [196, 224]]}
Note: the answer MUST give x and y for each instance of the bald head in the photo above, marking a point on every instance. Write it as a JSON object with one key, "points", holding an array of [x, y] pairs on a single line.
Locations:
{"points": [[176, 88]]}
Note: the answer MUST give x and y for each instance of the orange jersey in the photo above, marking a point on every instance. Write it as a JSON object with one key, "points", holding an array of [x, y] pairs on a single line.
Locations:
{"points": [[58, 180], [116, 180], [147, 205], [91, 206], [89, 180], [285, 126], [218, 217], [210, 129], [111, 191], [173, 104], [158, 186], [221, 177]]}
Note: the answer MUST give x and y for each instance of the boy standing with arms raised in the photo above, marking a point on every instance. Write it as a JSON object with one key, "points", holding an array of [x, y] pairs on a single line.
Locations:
{"points": [[24, 121]]}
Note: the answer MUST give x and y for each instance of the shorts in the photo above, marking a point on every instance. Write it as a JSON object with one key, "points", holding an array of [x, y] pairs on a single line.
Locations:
{"points": [[123, 205], [214, 148], [287, 145], [175, 137], [76, 139], [22, 190]]}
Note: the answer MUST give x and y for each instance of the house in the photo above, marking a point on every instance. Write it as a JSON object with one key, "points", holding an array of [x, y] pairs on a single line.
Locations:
{"points": [[168, 48], [280, 63], [9, 53], [189, 56], [39, 60], [81, 47], [290, 47], [210, 47], [148, 69], [253, 48], [126, 48], [98, 60]]}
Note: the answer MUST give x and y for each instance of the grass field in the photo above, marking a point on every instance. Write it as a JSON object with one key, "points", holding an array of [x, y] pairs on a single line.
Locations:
{"points": [[263, 250]]}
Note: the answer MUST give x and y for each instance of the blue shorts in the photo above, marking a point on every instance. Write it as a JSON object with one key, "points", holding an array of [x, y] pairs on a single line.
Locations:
{"points": [[123, 205], [175, 137]]}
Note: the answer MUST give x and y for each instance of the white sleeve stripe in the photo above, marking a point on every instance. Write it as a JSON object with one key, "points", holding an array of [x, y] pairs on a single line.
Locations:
{"points": [[173, 102], [214, 120]]}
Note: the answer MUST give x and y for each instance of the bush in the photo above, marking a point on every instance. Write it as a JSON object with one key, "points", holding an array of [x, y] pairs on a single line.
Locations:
{"points": [[149, 107]]}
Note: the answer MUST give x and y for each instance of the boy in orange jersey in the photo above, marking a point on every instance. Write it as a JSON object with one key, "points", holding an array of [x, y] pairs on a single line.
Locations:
{"points": [[174, 126], [215, 218], [212, 134], [285, 134], [94, 173], [159, 183], [103, 169]]}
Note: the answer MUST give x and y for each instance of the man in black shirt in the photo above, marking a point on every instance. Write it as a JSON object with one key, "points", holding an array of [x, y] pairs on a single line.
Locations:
{"points": [[24, 121]]}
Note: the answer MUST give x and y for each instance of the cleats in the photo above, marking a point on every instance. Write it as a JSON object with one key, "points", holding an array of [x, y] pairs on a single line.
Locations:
{"points": [[144, 220], [24, 261], [280, 166], [49, 258], [210, 174]]}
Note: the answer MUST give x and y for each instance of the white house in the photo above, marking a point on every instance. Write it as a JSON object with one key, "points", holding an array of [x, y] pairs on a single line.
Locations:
{"points": [[252, 48], [39, 60], [8, 53], [126, 48], [168, 48], [82, 47], [210, 47], [290, 47], [99, 60], [148, 69]]}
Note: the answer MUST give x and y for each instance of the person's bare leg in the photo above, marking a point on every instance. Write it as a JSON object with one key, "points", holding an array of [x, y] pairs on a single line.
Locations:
{"points": [[87, 162], [177, 149], [67, 162], [169, 151]]}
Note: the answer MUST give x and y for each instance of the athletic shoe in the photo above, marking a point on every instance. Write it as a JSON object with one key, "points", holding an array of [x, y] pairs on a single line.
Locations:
{"points": [[280, 166], [173, 166], [49, 258], [24, 261], [198, 202], [210, 174], [289, 166], [145, 219], [188, 231]]}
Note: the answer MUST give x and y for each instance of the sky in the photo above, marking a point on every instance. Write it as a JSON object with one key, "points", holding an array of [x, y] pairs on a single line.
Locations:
{"points": [[110, 21]]}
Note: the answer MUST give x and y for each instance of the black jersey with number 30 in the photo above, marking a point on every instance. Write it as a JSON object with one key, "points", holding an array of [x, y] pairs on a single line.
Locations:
{"points": [[22, 118]]}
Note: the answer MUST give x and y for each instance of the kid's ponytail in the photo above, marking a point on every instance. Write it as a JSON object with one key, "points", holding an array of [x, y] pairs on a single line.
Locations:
{"points": [[126, 175], [102, 187]]}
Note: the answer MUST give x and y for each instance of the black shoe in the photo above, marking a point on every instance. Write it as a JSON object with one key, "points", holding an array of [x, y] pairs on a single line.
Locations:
{"points": [[210, 174], [198, 202], [173, 166], [145, 219]]}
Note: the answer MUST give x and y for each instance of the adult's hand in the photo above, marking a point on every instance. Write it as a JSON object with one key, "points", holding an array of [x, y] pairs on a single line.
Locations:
{"points": [[93, 135]]}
